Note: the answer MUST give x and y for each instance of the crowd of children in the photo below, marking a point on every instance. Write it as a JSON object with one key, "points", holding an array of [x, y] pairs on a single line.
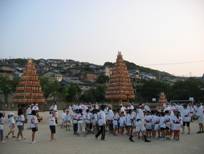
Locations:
{"points": [[140, 121]]}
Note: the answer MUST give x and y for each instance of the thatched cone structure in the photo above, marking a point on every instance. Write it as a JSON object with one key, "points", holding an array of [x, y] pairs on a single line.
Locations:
{"points": [[119, 88], [29, 90], [162, 99]]}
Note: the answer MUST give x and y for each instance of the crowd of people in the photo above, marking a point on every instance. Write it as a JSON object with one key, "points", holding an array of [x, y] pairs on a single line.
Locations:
{"points": [[164, 123]]}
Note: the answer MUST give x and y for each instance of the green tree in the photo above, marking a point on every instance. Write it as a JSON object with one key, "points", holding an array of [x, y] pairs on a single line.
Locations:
{"points": [[191, 87], [102, 79], [152, 88], [51, 88], [94, 94], [72, 92], [7, 87]]}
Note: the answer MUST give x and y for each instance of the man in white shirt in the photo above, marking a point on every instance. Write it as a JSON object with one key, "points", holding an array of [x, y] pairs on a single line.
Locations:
{"points": [[110, 116], [101, 123], [186, 118]]}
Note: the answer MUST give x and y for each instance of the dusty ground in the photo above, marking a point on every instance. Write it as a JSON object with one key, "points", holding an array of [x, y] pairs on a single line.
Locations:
{"points": [[69, 144]]}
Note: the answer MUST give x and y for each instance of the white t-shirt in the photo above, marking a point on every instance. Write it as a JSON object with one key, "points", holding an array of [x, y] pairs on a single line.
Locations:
{"points": [[110, 115], [20, 120], [128, 120], [33, 121], [162, 122], [11, 121], [122, 120], [186, 115], [177, 123], [101, 118], [52, 120]]}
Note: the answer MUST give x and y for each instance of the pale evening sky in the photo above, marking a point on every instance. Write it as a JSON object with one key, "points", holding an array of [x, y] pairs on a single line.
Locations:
{"points": [[162, 34]]}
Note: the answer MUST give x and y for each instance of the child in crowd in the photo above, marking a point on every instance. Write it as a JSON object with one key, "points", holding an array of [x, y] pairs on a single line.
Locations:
{"points": [[20, 124], [52, 124], [116, 123], [11, 125], [200, 114], [162, 125], [88, 123], [167, 119], [75, 118], [148, 123], [186, 116], [67, 120], [34, 125], [129, 122], [122, 123], [176, 125], [2, 127], [63, 118]]}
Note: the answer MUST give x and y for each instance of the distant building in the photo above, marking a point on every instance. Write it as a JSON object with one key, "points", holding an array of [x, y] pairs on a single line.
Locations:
{"points": [[53, 75], [91, 77], [148, 76], [7, 71], [59, 77]]}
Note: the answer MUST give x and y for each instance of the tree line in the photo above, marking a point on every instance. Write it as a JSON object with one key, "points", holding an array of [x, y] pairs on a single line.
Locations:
{"points": [[145, 91]]}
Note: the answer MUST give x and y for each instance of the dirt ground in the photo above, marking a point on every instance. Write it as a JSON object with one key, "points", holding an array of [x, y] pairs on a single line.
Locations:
{"points": [[67, 143]]}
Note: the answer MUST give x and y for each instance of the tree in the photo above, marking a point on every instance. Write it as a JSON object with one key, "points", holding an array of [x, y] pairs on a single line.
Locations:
{"points": [[51, 88], [189, 88], [94, 94], [102, 79], [7, 87], [72, 92], [152, 88]]}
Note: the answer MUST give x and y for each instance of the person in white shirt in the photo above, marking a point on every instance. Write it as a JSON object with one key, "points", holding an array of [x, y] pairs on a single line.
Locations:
{"points": [[52, 125], [140, 128], [67, 120], [110, 115], [155, 124], [186, 116], [122, 123], [116, 123], [2, 127], [34, 125], [176, 125], [20, 124], [81, 122], [11, 125], [63, 118], [88, 126], [168, 122], [162, 125], [129, 122], [200, 114], [148, 123], [101, 123]]}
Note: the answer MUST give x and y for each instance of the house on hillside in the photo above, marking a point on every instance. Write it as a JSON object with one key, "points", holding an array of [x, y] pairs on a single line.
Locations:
{"points": [[7, 71]]}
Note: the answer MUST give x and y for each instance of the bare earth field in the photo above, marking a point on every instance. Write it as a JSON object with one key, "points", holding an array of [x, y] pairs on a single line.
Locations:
{"points": [[67, 143]]}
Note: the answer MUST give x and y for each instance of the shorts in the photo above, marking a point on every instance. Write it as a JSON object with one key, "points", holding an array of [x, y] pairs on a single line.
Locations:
{"points": [[115, 126], [186, 124], [35, 129], [167, 128], [20, 128], [53, 129], [162, 128]]}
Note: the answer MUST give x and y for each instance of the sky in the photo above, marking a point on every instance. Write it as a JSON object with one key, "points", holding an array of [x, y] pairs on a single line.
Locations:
{"points": [[167, 35]]}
